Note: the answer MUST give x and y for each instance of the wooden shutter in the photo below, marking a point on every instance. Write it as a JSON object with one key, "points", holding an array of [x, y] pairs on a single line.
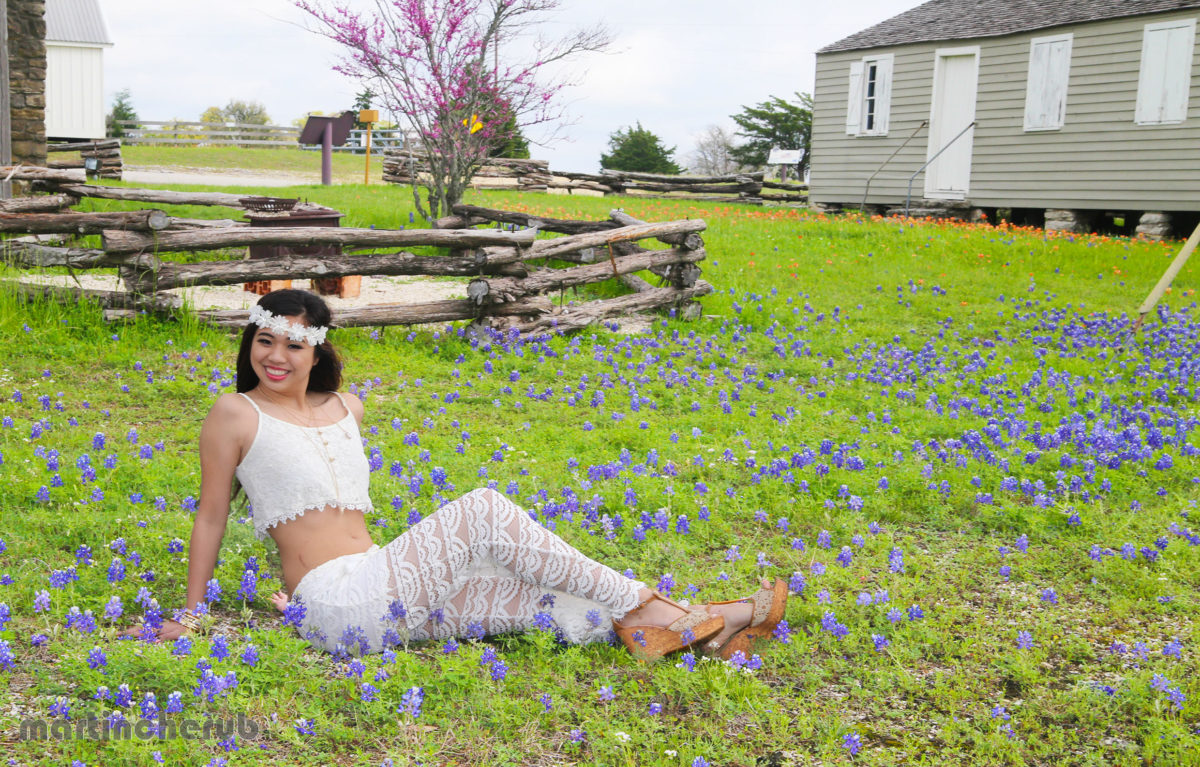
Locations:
{"points": [[883, 93], [855, 99], [1165, 76], [1046, 86]]}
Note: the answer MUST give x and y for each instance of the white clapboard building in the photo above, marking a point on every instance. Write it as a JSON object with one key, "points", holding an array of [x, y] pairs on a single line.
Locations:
{"points": [[75, 41]]}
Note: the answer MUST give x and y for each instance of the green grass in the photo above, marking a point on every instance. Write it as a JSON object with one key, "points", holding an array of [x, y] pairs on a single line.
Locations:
{"points": [[809, 312]]}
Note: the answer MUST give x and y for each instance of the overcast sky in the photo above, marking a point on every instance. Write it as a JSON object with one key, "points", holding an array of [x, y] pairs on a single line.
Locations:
{"points": [[677, 66]]}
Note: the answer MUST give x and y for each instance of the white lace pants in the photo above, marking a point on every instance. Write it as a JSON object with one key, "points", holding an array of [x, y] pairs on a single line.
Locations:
{"points": [[478, 565]]}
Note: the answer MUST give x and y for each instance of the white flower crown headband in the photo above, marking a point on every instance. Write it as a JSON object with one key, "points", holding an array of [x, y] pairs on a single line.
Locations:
{"points": [[311, 335]]}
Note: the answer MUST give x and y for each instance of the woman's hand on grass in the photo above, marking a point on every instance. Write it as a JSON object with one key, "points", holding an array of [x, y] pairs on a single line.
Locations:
{"points": [[280, 600], [169, 632]]}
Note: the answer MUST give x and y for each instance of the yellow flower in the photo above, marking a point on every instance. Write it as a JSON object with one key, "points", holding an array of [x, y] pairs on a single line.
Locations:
{"points": [[473, 123]]}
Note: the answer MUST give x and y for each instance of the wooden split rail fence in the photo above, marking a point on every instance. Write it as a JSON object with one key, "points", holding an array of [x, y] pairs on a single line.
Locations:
{"points": [[105, 155], [400, 167], [513, 285]]}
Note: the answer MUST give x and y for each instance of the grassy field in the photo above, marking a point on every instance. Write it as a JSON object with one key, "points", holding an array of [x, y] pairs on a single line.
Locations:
{"points": [[347, 168], [946, 438]]}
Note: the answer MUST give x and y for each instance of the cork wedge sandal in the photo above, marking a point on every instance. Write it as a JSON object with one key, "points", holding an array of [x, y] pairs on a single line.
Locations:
{"points": [[769, 606], [652, 642]]}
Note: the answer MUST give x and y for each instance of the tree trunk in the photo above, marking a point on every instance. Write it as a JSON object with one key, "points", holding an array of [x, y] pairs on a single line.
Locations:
{"points": [[690, 241], [34, 255], [307, 236], [85, 146], [400, 314], [736, 178], [548, 248], [45, 203], [170, 275], [504, 289], [163, 303], [530, 221], [582, 315], [83, 223]]}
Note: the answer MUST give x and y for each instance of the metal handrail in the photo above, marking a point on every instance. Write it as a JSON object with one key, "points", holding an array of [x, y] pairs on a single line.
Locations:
{"points": [[908, 197], [867, 188]]}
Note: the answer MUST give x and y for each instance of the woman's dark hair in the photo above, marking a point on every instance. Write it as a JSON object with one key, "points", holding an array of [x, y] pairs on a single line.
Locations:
{"points": [[326, 375]]}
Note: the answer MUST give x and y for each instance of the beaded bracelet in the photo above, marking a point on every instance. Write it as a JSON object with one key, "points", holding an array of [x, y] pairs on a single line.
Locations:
{"points": [[189, 621]]}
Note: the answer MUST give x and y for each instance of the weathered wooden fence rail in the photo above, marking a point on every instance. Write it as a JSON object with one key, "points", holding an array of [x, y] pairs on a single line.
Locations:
{"points": [[101, 157], [181, 133], [513, 286], [401, 167]]}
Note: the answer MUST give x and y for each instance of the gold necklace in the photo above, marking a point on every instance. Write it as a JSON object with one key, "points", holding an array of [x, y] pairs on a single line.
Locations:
{"points": [[309, 418], [323, 448]]}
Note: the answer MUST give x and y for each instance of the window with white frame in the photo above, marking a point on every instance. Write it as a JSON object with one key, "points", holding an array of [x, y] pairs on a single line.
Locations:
{"points": [[1046, 86], [869, 102], [1165, 76]]}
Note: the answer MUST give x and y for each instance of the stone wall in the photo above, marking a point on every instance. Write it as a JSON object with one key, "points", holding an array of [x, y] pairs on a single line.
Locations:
{"points": [[27, 79]]}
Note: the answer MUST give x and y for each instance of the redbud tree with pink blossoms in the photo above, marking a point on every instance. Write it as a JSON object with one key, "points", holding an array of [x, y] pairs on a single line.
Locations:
{"points": [[439, 64]]}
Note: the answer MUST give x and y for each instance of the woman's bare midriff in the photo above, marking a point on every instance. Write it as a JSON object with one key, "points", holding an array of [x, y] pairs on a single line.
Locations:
{"points": [[316, 537]]}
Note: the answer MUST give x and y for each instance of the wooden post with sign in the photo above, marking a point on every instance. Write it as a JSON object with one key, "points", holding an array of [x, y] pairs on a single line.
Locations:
{"points": [[785, 158], [368, 116]]}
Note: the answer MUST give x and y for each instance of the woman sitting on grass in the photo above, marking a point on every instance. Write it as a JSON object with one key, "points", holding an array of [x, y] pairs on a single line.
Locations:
{"points": [[478, 565]]}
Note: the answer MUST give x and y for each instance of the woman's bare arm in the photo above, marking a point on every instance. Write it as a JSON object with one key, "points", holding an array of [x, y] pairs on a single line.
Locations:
{"points": [[219, 452]]}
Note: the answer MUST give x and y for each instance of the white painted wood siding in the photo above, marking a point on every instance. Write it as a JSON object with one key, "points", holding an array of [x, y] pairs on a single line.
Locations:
{"points": [[74, 91], [1100, 158]]}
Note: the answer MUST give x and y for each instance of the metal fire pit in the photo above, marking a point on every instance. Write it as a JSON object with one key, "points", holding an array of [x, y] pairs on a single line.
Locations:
{"points": [[278, 212]]}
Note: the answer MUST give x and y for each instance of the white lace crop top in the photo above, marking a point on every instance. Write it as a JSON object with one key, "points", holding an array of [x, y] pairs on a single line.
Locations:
{"points": [[291, 469]]}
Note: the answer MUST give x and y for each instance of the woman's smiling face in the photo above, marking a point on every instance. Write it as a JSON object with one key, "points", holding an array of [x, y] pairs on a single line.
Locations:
{"points": [[280, 362]]}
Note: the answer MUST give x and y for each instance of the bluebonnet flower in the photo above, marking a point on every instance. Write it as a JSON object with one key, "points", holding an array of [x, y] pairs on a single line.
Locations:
{"points": [[1024, 640], [96, 658], [606, 694], [1049, 595], [212, 591], [411, 701], [852, 742], [367, 692], [182, 646], [687, 661], [249, 656], [305, 726], [81, 621], [845, 557], [783, 632], [915, 613], [546, 701], [294, 613], [577, 735], [60, 707], [499, 671], [880, 642], [174, 703], [123, 696], [219, 648]]}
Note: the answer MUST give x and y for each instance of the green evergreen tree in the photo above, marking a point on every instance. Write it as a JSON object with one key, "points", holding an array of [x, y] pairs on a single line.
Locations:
{"points": [[774, 123], [638, 150], [362, 101], [510, 142], [122, 109]]}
